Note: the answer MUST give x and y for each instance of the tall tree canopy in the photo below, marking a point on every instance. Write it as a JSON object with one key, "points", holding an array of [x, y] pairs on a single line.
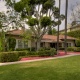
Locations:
{"points": [[38, 14]]}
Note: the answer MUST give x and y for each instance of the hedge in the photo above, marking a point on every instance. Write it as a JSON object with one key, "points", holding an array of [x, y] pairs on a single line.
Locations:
{"points": [[45, 52], [11, 56], [75, 49], [8, 56]]}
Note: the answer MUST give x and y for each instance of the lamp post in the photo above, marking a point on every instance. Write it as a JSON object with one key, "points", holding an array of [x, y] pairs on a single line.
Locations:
{"points": [[66, 12], [58, 30]]}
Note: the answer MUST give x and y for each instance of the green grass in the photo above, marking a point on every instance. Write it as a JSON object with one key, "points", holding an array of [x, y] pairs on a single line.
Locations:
{"points": [[59, 69]]}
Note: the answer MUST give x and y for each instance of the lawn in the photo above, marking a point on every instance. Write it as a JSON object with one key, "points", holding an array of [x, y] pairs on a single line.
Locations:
{"points": [[58, 69]]}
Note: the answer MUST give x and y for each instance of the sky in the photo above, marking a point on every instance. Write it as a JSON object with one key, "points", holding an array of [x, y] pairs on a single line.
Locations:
{"points": [[71, 2]]}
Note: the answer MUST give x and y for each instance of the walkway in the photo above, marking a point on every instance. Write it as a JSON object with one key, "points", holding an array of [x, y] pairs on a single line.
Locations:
{"points": [[17, 62]]}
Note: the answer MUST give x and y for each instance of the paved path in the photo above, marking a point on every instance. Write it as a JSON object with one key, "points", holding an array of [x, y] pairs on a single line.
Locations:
{"points": [[18, 62]]}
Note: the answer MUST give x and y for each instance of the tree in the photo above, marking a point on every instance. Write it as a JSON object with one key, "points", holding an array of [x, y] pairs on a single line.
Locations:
{"points": [[28, 36], [78, 42], [38, 14], [66, 12], [75, 15], [54, 31]]}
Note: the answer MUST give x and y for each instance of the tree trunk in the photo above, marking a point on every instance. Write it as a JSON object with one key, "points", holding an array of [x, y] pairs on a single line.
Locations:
{"points": [[38, 44]]}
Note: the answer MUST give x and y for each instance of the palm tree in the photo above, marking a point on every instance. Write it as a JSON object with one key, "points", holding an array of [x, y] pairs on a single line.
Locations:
{"points": [[58, 29], [66, 12]]}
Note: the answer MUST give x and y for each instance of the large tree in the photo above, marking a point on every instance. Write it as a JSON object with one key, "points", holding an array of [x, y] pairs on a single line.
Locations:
{"points": [[38, 14], [75, 14]]}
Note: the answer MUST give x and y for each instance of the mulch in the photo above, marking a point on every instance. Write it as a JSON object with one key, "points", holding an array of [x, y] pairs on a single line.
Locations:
{"points": [[33, 58]]}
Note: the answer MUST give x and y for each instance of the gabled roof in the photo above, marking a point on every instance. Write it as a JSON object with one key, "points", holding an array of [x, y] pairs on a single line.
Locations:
{"points": [[52, 37], [15, 32], [68, 37], [46, 38]]}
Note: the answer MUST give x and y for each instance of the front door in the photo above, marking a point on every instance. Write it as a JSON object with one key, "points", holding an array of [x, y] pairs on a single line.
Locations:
{"points": [[53, 45]]}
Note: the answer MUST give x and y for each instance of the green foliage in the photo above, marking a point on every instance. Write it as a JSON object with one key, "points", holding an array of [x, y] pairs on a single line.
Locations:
{"points": [[55, 69], [21, 53], [78, 43], [33, 22], [19, 6], [54, 31], [32, 53], [12, 43], [39, 15], [0, 44], [70, 48], [61, 48], [75, 33], [27, 35], [77, 49], [27, 49], [19, 49], [53, 51], [48, 4], [47, 52], [45, 21], [8, 56]]}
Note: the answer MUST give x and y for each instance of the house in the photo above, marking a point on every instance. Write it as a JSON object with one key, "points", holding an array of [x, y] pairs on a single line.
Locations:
{"points": [[49, 41], [71, 28]]}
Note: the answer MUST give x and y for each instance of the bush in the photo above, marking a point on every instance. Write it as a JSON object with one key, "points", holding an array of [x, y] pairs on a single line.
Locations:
{"points": [[22, 53], [46, 52], [70, 48], [28, 49], [61, 48], [53, 51], [78, 43], [32, 53], [8, 56], [77, 49], [19, 49], [12, 43]]}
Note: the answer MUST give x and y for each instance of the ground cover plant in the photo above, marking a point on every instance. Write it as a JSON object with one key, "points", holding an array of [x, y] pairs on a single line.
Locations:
{"points": [[59, 69]]}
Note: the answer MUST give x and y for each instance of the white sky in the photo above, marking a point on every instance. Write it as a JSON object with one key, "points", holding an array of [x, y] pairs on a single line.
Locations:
{"points": [[71, 2]]}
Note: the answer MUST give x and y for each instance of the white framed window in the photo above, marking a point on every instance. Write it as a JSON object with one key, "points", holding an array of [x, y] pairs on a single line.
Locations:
{"points": [[20, 43]]}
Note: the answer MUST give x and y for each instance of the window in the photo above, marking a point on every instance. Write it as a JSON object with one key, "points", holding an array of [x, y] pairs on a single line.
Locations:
{"points": [[41, 44], [25, 45], [68, 44], [19, 43]]}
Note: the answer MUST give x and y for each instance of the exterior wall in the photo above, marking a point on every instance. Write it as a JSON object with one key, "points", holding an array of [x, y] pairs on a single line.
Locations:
{"points": [[47, 45], [33, 44], [29, 44], [71, 42]]}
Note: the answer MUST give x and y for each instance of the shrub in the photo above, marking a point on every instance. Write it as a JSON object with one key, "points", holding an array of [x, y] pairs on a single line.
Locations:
{"points": [[22, 53], [20, 49], [75, 33], [61, 48], [70, 48], [53, 51], [32, 53], [8, 56], [78, 43], [44, 52], [28, 49], [77, 49], [12, 43]]}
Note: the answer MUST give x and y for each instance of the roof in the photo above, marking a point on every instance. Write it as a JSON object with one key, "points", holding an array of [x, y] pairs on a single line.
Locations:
{"points": [[46, 38], [52, 37], [15, 32], [68, 37]]}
